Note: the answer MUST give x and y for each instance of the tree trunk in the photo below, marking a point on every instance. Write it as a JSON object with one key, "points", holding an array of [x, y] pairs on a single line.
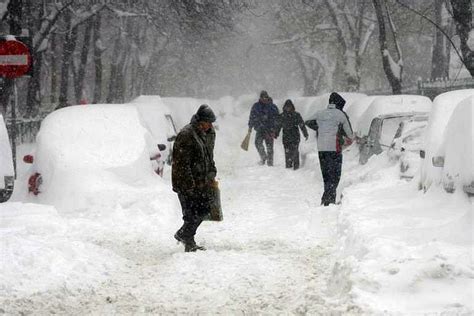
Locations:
{"points": [[462, 14], [54, 68], [441, 48], [114, 70], [68, 49], [33, 99], [97, 60], [14, 17], [79, 85], [394, 78]]}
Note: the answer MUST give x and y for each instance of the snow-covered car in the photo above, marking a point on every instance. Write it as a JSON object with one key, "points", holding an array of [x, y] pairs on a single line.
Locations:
{"points": [[7, 173], [92, 152], [455, 157], [355, 110], [443, 107], [379, 123], [407, 143]]}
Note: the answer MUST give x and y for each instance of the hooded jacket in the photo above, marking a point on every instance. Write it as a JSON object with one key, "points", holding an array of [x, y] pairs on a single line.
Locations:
{"points": [[193, 164], [327, 125], [289, 122], [263, 117]]}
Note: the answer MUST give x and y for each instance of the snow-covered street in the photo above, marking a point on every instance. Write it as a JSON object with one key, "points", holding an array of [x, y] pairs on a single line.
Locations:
{"points": [[276, 252], [272, 254]]}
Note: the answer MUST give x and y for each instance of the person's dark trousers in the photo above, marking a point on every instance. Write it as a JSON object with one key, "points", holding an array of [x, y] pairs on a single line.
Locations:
{"points": [[292, 155], [194, 209], [267, 155], [331, 164]]}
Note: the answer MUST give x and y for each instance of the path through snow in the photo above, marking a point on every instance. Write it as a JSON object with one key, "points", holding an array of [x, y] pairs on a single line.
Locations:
{"points": [[272, 254]]}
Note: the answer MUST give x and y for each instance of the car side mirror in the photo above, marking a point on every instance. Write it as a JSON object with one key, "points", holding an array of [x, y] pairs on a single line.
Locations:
{"points": [[422, 154], [28, 159], [438, 161]]}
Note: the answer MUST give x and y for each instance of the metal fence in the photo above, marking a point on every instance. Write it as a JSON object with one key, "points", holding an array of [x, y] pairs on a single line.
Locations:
{"points": [[433, 88], [429, 88]]}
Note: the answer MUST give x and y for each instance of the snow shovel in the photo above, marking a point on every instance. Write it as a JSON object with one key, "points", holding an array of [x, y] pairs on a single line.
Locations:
{"points": [[215, 213], [246, 141]]}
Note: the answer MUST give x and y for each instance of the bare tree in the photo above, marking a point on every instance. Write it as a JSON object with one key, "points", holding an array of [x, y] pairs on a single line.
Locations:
{"points": [[441, 46], [462, 14], [393, 69]]}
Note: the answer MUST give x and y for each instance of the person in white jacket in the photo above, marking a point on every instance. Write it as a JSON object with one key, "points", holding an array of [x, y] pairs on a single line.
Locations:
{"points": [[329, 125]]}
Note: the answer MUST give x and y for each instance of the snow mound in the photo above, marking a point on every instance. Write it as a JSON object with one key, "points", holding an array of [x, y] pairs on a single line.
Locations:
{"points": [[85, 151], [38, 255]]}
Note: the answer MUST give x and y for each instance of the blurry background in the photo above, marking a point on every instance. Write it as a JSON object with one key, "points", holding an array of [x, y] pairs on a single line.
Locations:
{"points": [[110, 51]]}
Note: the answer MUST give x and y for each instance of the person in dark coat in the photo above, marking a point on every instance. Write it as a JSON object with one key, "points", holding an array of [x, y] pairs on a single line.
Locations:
{"points": [[193, 173], [263, 118], [328, 125], [290, 122]]}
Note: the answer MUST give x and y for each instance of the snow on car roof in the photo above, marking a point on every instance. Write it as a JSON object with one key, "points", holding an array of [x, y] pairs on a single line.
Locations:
{"points": [[355, 109], [392, 104], [96, 136]]}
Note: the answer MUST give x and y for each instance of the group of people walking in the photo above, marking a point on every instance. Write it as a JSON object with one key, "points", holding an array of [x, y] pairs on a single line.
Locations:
{"points": [[193, 166]]}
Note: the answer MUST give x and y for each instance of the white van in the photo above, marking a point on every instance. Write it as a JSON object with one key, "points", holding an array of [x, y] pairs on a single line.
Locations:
{"points": [[7, 173]]}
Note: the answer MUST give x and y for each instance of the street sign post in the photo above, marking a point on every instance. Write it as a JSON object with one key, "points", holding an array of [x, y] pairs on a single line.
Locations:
{"points": [[15, 61]]}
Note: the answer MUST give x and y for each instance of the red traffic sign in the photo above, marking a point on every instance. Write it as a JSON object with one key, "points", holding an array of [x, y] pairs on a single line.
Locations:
{"points": [[15, 58]]}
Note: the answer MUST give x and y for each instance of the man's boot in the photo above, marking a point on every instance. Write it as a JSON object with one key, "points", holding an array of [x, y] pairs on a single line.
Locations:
{"points": [[191, 246]]}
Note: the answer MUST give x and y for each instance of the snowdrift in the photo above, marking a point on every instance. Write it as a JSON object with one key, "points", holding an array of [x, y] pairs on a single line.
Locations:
{"points": [[92, 153]]}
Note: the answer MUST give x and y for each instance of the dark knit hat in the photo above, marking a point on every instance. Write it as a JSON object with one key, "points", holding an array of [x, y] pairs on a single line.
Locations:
{"points": [[336, 99], [264, 95], [205, 113]]}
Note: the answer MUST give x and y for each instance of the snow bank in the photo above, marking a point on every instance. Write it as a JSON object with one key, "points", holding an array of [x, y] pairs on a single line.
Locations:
{"points": [[392, 104], [38, 253], [87, 153], [6, 160], [402, 251], [443, 107], [458, 147]]}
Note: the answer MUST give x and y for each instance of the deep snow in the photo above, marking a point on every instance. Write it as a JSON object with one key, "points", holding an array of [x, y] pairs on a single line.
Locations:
{"points": [[387, 248]]}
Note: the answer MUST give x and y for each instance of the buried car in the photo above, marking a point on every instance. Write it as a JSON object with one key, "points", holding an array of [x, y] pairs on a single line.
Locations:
{"points": [[443, 108], [7, 172], [100, 152], [379, 123], [407, 143], [455, 158]]}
